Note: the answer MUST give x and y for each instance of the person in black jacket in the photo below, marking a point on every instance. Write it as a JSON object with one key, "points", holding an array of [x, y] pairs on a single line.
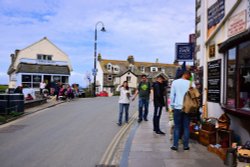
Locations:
{"points": [[158, 88]]}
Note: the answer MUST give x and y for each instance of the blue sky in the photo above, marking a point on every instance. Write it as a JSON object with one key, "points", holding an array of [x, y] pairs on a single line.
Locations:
{"points": [[147, 29]]}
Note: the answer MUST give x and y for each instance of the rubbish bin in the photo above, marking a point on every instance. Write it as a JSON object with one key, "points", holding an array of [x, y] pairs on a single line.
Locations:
{"points": [[3, 103], [11, 102], [17, 100]]}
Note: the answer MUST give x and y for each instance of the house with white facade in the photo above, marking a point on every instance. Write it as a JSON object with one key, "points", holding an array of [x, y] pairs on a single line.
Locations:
{"points": [[40, 61], [112, 73], [223, 54]]}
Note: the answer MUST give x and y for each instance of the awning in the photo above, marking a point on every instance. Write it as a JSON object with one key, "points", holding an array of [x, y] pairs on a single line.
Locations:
{"points": [[235, 40]]}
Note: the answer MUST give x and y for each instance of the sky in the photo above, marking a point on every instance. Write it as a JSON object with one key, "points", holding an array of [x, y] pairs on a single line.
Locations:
{"points": [[146, 29]]}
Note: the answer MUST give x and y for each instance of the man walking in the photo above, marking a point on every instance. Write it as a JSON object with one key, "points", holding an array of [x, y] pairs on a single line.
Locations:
{"points": [[158, 97], [143, 90], [181, 120]]}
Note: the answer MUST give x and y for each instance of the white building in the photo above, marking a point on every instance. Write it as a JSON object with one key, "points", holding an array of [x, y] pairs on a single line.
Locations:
{"points": [[223, 52], [41, 60]]}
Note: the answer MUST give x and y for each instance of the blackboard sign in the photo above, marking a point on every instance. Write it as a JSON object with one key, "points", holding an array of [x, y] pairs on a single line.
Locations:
{"points": [[214, 78]]}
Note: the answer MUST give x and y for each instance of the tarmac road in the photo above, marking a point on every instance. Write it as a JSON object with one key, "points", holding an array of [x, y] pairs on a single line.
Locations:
{"points": [[72, 134]]}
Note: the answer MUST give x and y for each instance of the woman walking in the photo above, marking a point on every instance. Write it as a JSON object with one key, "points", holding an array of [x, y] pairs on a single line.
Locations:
{"points": [[123, 102]]}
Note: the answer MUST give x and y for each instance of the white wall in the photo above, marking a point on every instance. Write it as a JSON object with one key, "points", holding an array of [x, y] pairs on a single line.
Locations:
{"points": [[99, 76], [42, 47]]}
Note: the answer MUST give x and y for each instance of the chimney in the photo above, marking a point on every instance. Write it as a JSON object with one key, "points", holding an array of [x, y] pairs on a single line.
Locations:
{"points": [[13, 58], [131, 59], [99, 57], [16, 52]]}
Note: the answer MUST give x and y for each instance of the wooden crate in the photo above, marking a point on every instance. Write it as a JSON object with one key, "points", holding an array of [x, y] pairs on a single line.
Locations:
{"points": [[207, 137]]}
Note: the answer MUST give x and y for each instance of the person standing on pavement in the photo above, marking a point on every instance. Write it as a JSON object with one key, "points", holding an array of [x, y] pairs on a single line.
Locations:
{"points": [[158, 88], [124, 101], [42, 87], [143, 90], [181, 119]]}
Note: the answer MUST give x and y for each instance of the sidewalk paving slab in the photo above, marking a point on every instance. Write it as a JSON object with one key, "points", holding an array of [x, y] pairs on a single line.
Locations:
{"points": [[148, 149]]}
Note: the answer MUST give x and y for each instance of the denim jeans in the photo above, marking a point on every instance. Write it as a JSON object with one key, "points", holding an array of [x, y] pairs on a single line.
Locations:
{"points": [[181, 120], [123, 107], [156, 119], [143, 103]]}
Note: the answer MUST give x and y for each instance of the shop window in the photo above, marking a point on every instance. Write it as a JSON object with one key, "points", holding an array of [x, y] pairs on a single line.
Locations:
{"points": [[238, 77], [231, 72], [244, 75]]}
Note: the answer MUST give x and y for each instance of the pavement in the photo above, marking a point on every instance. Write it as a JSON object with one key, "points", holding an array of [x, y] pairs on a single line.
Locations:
{"points": [[144, 148]]}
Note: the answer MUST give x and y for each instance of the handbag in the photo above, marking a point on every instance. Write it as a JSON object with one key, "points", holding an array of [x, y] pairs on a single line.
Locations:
{"points": [[191, 100]]}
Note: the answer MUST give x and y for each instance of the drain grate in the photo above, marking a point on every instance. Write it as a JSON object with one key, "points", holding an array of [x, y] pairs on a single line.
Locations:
{"points": [[12, 128]]}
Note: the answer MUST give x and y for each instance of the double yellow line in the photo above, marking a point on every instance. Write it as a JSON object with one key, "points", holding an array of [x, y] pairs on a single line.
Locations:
{"points": [[109, 153]]}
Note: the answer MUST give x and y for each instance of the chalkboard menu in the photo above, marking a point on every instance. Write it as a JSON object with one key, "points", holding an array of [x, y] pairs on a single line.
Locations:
{"points": [[214, 78]]}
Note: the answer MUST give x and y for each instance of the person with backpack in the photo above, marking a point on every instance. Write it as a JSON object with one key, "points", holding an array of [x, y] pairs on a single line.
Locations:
{"points": [[179, 88], [143, 90]]}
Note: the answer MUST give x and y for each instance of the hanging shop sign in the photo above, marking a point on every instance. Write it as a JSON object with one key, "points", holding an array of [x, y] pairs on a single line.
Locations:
{"points": [[237, 24], [184, 51], [214, 84]]}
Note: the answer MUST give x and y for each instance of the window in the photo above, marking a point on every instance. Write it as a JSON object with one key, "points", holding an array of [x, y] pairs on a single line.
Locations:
{"points": [[238, 77], [31, 81], [110, 77], [163, 70], [154, 69], [231, 62], [142, 69], [244, 75], [44, 57], [109, 66], [129, 78]]}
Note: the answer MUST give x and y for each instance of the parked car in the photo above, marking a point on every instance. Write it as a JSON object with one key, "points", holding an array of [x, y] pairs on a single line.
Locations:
{"points": [[103, 94]]}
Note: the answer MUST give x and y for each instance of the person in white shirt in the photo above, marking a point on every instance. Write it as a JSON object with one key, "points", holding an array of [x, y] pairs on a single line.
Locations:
{"points": [[42, 86], [124, 101]]}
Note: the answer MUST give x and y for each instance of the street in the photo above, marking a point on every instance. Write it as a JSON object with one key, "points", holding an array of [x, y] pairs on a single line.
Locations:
{"points": [[74, 134]]}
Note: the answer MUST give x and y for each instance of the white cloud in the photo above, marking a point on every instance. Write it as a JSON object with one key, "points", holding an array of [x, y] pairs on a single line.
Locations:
{"points": [[146, 29]]}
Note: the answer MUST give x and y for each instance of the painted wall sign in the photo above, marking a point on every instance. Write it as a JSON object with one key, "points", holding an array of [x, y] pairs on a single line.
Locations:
{"points": [[237, 24], [215, 14], [214, 83]]}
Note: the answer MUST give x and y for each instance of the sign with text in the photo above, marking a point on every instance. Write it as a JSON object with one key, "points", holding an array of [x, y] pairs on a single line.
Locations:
{"points": [[215, 14], [237, 24], [184, 51], [214, 77]]}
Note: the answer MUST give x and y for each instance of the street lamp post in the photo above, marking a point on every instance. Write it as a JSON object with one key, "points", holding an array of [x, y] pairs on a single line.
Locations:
{"points": [[95, 47]]}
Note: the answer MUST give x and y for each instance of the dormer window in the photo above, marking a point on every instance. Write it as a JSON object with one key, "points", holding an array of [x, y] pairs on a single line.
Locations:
{"points": [[142, 69], [116, 69], [153, 69], [109, 66], [131, 67]]}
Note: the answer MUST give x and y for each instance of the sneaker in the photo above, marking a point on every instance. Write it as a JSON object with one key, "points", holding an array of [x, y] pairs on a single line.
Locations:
{"points": [[139, 120], [174, 148], [186, 148], [119, 124], [160, 132], [145, 119]]}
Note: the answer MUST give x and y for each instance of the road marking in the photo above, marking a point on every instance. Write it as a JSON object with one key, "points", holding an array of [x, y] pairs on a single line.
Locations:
{"points": [[109, 153]]}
